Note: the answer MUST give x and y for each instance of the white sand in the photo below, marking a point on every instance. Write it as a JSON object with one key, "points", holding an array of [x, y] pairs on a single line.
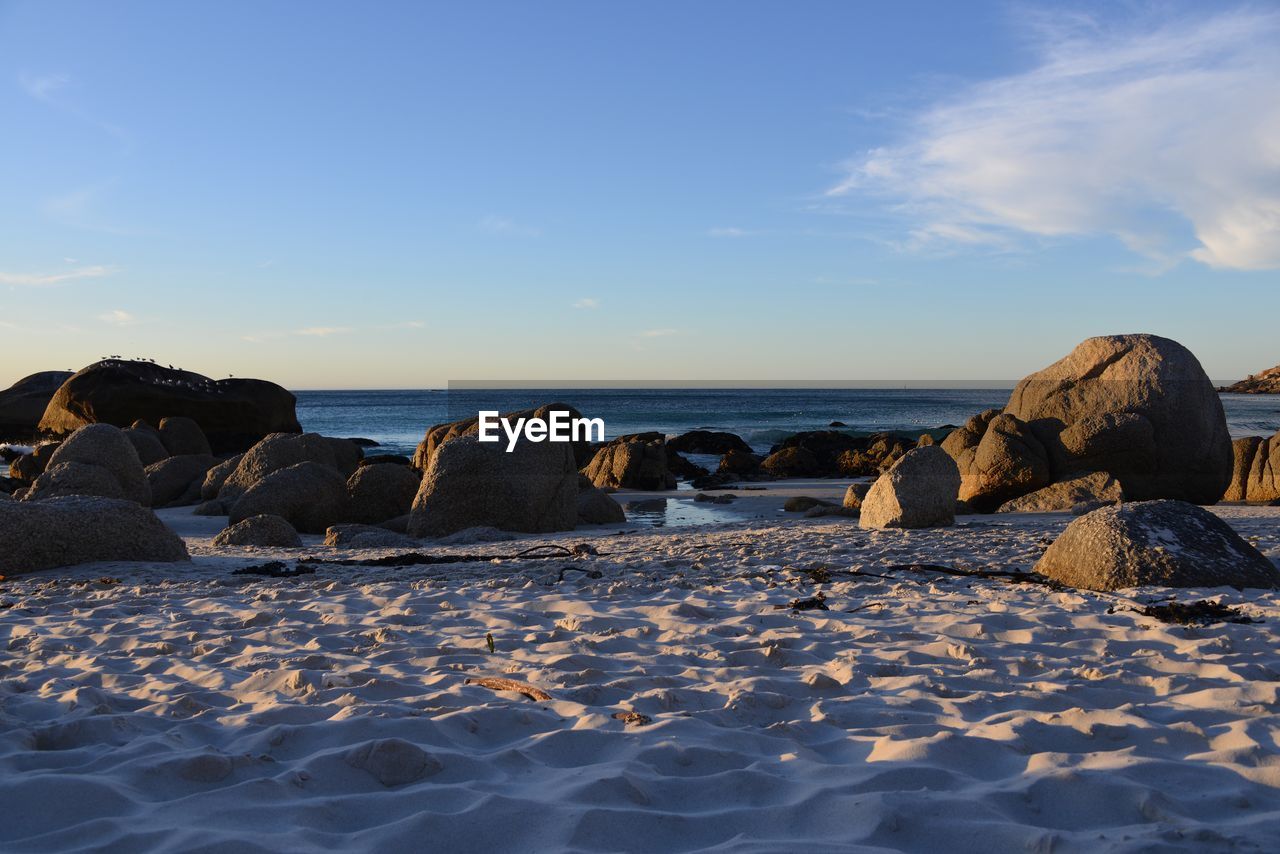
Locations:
{"points": [[185, 709]]}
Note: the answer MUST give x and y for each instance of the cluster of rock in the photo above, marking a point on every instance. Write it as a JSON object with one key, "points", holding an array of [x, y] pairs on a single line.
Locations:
{"points": [[1135, 407], [152, 466], [1267, 382], [310, 481], [232, 413]]}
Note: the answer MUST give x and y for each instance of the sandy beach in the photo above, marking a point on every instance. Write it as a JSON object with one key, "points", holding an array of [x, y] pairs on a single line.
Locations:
{"points": [[640, 427], [185, 708]]}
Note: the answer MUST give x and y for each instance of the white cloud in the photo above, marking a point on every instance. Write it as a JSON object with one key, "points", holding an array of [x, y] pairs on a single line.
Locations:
{"points": [[502, 225], [321, 331], [308, 332], [1165, 137], [727, 232], [46, 280], [45, 88], [587, 302], [118, 317], [42, 86], [658, 333]]}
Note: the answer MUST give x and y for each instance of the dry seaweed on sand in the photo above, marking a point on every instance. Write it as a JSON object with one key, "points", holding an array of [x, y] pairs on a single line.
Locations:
{"points": [[1009, 576], [813, 603], [542, 552], [275, 569], [1203, 612]]}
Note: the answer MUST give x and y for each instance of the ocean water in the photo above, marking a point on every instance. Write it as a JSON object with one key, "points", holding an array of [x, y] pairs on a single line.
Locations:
{"points": [[398, 419]]}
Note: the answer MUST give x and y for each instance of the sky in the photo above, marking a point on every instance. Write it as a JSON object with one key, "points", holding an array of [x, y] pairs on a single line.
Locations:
{"points": [[400, 195]]}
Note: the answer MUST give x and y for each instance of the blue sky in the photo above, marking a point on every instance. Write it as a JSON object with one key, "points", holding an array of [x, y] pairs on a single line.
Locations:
{"points": [[401, 194]]}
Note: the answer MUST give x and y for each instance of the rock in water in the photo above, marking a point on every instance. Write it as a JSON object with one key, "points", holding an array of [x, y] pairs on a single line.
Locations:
{"points": [[469, 483], [233, 413], [1167, 543], [24, 402], [66, 531], [918, 491], [105, 447], [265, 530], [708, 442], [637, 461], [1137, 406], [1267, 382], [310, 495], [791, 462], [741, 463]]}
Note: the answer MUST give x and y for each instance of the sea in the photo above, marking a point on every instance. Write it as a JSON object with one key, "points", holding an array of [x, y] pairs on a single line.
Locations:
{"points": [[396, 420]]}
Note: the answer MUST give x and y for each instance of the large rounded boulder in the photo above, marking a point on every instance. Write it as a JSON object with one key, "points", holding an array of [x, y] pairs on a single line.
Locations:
{"points": [[182, 437], [232, 413], [146, 441], [708, 442], [438, 434], [1008, 461], [637, 461], [1255, 474], [1166, 543], [66, 531], [381, 492], [918, 491], [310, 495], [1137, 406], [282, 450], [263, 531], [176, 481], [532, 489], [106, 448]]}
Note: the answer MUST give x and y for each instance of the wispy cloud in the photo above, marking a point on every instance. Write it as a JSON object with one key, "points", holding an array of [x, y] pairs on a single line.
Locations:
{"points": [[47, 88], [659, 333], [42, 86], [118, 317], [322, 331], [327, 331], [587, 302], [728, 232], [495, 224], [48, 280], [1147, 134]]}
